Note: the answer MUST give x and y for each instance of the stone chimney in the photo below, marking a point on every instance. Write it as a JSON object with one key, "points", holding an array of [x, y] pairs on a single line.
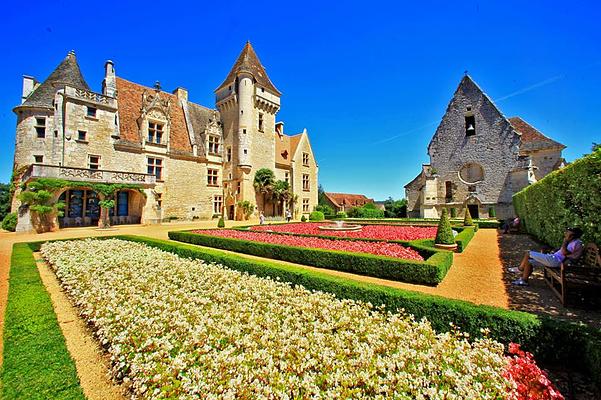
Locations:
{"points": [[29, 85], [181, 93], [109, 84], [279, 128]]}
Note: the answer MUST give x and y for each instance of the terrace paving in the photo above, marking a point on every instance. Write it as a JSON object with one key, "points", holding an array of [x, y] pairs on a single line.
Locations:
{"points": [[477, 274]]}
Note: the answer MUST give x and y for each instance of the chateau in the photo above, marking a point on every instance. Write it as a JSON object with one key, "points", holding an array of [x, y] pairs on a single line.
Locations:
{"points": [[191, 162], [479, 159]]}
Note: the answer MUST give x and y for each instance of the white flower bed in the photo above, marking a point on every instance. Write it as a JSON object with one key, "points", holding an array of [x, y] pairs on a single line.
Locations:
{"points": [[178, 328]]}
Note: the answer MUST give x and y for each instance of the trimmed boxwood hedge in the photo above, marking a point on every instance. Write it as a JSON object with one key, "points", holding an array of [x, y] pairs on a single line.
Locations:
{"points": [[463, 238], [429, 272], [567, 197], [573, 345]]}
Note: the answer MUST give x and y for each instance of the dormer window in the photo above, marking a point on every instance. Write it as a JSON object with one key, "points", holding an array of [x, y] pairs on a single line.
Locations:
{"points": [[470, 123], [155, 132], [213, 144]]}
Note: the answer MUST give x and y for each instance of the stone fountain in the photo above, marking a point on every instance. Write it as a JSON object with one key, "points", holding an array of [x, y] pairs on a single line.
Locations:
{"points": [[340, 226]]}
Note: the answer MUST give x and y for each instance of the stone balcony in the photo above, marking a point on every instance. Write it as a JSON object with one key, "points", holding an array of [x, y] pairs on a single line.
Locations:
{"points": [[88, 175]]}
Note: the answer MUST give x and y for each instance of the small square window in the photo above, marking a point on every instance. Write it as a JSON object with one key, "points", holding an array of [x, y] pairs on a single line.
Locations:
{"points": [[91, 112], [40, 127], [38, 159], [243, 130], [94, 162], [81, 135], [245, 151]]}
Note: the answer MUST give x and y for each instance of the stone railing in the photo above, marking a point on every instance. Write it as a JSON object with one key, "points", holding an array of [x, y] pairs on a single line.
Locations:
{"points": [[90, 96], [88, 175]]}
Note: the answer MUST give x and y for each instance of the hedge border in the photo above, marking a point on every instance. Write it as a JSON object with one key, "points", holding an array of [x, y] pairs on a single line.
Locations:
{"points": [[482, 223], [37, 364], [550, 340], [428, 272]]}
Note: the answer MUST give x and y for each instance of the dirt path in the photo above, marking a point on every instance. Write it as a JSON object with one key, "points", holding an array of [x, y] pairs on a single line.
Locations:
{"points": [[91, 364]]}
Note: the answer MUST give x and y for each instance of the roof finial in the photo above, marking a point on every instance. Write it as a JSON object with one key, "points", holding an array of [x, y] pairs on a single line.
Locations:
{"points": [[465, 72], [72, 53], [157, 85]]}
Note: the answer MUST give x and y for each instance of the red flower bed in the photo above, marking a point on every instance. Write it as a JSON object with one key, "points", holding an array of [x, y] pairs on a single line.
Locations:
{"points": [[382, 232], [531, 382], [377, 248]]}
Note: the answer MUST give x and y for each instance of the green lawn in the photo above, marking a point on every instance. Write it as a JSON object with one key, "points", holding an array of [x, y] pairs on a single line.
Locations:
{"points": [[37, 364]]}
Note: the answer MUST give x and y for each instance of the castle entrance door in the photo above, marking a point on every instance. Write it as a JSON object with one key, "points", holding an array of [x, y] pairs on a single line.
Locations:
{"points": [[474, 210], [230, 213]]}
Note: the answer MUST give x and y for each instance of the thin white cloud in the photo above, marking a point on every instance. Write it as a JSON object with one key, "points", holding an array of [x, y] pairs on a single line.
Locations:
{"points": [[531, 87]]}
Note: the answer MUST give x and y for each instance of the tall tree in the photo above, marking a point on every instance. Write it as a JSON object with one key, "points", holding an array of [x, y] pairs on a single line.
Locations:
{"points": [[4, 200], [321, 196], [263, 183]]}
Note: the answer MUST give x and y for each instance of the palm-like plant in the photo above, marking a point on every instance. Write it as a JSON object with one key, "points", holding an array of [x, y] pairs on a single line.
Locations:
{"points": [[263, 183], [281, 193]]}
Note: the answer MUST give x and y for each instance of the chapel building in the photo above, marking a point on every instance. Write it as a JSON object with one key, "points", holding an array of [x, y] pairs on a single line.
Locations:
{"points": [[479, 159], [190, 161]]}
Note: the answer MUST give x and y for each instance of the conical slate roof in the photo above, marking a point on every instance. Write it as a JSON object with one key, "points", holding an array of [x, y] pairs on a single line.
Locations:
{"points": [[249, 62], [67, 73]]}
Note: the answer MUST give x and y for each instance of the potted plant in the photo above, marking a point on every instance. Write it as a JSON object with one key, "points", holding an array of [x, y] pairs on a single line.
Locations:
{"points": [[444, 233]]}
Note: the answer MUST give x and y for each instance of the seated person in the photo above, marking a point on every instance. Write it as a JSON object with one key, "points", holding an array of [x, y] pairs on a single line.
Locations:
{"points": [[511, 224], [570, 249]]}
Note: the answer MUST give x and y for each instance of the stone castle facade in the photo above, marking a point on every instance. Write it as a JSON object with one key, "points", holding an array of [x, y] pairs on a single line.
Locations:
{"points": [[192, 162], [479, 159]]}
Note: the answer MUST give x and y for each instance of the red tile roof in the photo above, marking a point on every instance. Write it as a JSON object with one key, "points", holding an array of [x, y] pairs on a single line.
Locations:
{"points": [[130, 107], [348, 199], [532, 139]]}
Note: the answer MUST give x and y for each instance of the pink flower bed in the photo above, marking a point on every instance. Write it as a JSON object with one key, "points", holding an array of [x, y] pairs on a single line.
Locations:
{"points": [[530, 381], [382, 232], [376, 248]]}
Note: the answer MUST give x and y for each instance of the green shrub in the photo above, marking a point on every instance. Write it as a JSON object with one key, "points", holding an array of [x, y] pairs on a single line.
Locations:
{"points": [[550, 340], [9, 223], [453, 212], [340, 214], [467, 219], [566, 197], [316, 216], [221, 223], [367, 211], [444, 233], [463, 238], [303, 218], [492, 213], [325, 209], [429, 272]]}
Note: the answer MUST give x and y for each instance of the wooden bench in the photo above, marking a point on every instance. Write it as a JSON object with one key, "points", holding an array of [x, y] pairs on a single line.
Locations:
{"points": [[584, 274]]}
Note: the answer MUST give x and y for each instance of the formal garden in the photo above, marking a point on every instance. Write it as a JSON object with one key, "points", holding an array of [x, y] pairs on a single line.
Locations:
{"points": [[237, 312]]}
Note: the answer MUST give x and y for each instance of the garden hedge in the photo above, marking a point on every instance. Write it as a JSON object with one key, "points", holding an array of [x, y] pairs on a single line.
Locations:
{"points": [[463, 238], [555, 341], [37, 364], [429, 272], [567, 197]]}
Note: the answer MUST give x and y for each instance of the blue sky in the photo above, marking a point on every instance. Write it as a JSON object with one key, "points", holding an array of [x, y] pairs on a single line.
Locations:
{"points": [[369, 81]]}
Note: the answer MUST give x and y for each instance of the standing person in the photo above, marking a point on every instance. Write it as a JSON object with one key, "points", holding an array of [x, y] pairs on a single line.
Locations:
{"points": [[570, 249], [288, 216], [261, 218]]}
